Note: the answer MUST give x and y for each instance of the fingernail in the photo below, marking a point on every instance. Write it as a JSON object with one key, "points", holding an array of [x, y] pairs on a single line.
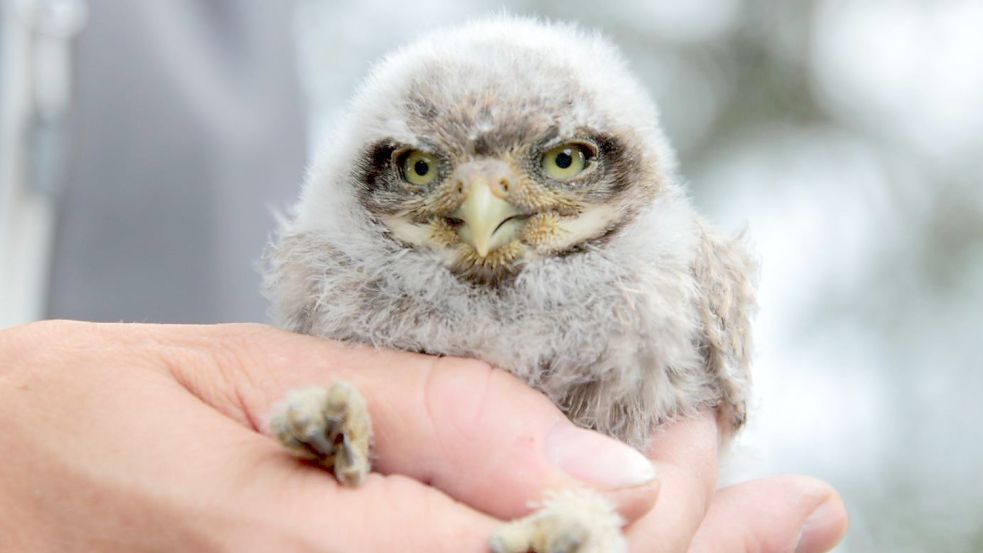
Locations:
{"points": [[818, 527], [597, 459]]}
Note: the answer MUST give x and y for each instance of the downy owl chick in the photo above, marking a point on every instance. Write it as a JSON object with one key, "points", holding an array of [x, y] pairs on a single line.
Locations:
{"points": [[504, 191]]}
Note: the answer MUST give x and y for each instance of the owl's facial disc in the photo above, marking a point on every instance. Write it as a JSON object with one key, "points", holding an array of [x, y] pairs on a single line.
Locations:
{"points": [[489, 211]]}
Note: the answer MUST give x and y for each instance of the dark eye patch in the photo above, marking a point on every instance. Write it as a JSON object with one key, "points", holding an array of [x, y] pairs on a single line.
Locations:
{"points": [[374, 176], [622, 164], [380, 176], [616, 166], [372, 171]]}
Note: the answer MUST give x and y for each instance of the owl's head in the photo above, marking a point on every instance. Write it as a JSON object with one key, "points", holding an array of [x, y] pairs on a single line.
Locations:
{"points": [[493, 145]]}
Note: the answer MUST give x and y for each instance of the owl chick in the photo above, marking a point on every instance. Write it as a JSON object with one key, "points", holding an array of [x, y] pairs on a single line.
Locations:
{"points": [[503, 191]]}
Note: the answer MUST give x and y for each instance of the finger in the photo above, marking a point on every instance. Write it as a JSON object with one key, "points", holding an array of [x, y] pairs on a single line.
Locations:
{"points": [[685, 454], [274, 503], [279, 504], [386, 513], [478, 434], [787, 513]]}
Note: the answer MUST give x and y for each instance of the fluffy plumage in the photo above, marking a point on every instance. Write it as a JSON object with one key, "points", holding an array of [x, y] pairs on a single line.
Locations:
{"points": [[620, 304]]}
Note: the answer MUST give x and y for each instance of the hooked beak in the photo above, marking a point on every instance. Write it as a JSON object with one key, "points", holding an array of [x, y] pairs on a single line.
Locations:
{"points": [[490, 221]]}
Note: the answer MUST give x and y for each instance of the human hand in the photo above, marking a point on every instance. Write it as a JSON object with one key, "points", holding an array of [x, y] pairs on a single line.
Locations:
{"points": [[136, 437], [779, 514]]}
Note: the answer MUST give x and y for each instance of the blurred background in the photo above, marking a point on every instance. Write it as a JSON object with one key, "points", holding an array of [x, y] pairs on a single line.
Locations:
{"points": [[145, 145]]}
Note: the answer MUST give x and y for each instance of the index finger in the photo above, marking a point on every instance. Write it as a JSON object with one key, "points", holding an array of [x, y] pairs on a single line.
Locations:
{"points": [[686, 455]]}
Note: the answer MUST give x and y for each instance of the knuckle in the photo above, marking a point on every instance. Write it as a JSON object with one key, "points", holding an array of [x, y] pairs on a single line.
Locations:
{"points": [[455, 397], [469, 401]]}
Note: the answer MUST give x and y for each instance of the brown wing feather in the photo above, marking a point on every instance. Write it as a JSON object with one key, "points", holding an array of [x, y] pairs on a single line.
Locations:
{"points": [[725, 274]]}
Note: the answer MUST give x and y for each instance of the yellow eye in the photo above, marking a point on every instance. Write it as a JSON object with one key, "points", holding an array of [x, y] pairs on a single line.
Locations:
{"points": [[565, 161], [419, 168]]}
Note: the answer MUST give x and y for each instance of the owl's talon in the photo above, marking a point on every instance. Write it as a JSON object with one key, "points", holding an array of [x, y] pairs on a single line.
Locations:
{"points": [[330, 426], [571, 522], [350, 464]]}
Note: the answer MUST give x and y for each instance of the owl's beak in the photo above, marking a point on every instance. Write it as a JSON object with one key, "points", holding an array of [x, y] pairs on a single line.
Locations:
{"points": [[490, 221]]}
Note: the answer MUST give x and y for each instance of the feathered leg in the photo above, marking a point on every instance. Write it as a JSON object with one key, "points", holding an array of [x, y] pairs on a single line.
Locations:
{"points": [[575, 521], [330, 426]]}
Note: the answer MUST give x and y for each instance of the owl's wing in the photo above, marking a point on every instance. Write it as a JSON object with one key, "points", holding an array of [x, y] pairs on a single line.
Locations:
{"points": [[725, 274]]}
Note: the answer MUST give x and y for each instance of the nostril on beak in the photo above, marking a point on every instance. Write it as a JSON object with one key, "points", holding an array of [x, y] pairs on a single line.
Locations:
{"points": [[501, 188], [460, 187]]}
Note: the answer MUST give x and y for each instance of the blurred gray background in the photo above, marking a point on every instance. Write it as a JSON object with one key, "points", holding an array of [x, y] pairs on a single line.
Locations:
{"points": [[846, 136]]}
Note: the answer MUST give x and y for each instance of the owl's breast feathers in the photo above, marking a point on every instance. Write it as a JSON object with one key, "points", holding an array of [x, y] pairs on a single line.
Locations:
{"points": [[622, 338]]}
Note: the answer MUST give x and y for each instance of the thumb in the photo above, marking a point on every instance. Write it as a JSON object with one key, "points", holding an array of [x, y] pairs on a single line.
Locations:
{"points": [[786, 513], [476, 433], [484, 437]]}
